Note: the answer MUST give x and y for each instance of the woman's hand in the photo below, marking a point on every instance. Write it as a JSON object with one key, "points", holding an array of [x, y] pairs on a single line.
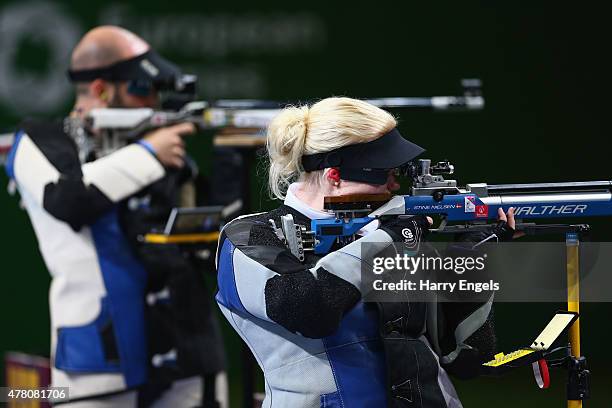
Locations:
{"points": [[509, 219], [504, 229], [409, 230]]}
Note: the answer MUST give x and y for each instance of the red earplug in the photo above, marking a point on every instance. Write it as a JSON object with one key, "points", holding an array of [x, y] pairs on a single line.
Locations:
{"points": [[334, 174]]}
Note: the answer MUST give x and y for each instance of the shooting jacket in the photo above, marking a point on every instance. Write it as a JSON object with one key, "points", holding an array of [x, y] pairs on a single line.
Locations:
{"points": [[317, 342], [98, 340]]}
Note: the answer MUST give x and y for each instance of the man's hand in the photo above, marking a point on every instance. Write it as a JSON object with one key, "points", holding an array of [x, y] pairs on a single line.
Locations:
{"points": [[169, 145]]}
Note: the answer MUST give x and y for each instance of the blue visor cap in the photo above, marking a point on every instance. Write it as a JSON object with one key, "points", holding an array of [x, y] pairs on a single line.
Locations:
{"points": [[368, 162]]}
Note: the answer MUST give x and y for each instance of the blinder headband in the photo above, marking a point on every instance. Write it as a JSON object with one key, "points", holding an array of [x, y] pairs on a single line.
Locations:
{"points": [[149, 67]]}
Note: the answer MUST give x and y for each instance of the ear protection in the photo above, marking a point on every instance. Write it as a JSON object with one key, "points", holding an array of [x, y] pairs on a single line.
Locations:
{"points": [[334, 174]]}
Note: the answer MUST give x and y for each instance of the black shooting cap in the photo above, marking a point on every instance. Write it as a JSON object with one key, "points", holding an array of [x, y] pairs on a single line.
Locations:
{"points": [[368, 162], [149, 67]]}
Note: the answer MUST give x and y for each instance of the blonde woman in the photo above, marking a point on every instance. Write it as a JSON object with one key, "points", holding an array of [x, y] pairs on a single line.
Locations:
{"points": [[317, 342]]}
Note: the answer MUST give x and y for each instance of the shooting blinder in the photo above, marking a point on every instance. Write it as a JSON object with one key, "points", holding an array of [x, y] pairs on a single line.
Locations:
{"points": [[368, 162], [145, 73]]}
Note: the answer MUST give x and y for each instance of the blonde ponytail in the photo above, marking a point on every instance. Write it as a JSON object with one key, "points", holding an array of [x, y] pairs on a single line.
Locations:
{"points": [[327, 125], [285, 143]]}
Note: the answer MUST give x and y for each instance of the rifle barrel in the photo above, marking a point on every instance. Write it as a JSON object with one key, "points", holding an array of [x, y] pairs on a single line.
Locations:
{"points": [[535, 188]]}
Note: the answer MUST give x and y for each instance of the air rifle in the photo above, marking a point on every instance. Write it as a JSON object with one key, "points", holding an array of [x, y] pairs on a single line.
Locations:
{"points": [[460, 209], [104, 130]]}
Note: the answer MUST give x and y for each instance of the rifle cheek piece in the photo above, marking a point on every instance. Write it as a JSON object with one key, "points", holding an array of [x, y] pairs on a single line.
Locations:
{"points": [[368, 162]]}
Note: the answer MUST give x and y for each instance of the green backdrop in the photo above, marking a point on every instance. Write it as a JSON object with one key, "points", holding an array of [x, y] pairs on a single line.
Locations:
{"points": [[546, 83]]}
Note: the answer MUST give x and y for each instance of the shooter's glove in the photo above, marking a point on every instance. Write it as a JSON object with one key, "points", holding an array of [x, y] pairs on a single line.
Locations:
{"points": [[409, 230], [498, 232]]}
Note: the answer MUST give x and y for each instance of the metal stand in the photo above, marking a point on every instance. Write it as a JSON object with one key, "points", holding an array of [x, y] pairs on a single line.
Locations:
{"points": [[578, 383]]}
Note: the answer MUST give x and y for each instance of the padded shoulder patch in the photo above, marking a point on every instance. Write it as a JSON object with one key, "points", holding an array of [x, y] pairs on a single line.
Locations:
{"points": [[256, 238], [55, 144], [257, 230]]}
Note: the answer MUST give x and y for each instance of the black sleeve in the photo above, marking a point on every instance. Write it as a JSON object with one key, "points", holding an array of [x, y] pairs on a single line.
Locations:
{"points": [[478, 348], [71, 201], [296, 299], [68, 199], [312, 307], [56, 178], [462, 357]]}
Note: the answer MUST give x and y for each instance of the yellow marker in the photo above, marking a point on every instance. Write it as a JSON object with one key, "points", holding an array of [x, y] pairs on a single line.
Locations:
{"points": [[501, 358]]}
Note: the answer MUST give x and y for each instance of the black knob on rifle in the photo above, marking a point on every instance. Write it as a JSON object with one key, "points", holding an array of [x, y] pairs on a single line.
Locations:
{"points": [[438, 196]]}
